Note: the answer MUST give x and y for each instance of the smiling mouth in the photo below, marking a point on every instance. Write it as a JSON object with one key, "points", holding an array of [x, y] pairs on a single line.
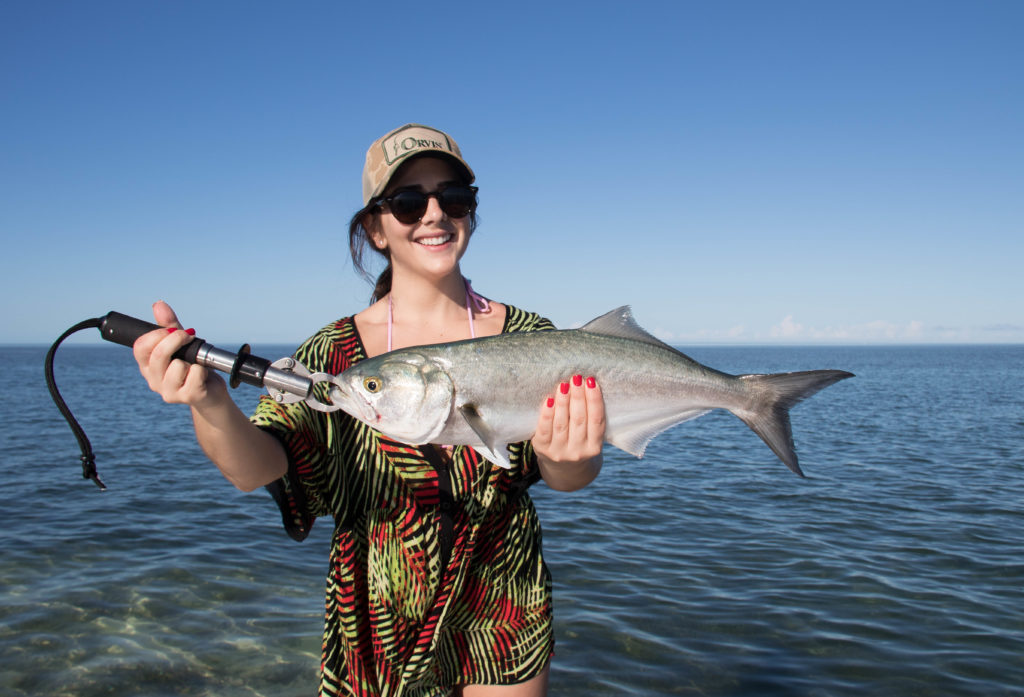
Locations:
{"points": [[436, 241]]}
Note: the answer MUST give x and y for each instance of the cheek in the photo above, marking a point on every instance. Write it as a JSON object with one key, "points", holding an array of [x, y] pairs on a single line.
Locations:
{"points": [[465, 230]]}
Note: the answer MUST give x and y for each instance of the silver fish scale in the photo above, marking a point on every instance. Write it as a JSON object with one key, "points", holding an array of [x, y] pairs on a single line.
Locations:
{"points": [[499, 384], [508, 379]]}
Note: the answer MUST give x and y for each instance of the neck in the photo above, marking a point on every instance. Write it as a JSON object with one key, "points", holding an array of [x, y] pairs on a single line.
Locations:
{"points": [[431, 312], [425, 304], [421, 297]]}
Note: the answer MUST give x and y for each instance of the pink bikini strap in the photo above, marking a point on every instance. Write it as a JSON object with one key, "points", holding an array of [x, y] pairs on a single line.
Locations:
{"points": [[472, 300]]}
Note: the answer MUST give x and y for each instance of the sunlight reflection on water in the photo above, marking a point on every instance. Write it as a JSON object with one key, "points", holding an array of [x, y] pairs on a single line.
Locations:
{"points": [[705, 568]]}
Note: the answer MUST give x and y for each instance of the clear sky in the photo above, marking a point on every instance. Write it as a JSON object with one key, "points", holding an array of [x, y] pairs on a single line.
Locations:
{"points": [[750, 172]]}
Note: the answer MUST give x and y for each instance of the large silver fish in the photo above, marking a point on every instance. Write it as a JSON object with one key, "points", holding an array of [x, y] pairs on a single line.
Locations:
{"points": [[487, 392]]}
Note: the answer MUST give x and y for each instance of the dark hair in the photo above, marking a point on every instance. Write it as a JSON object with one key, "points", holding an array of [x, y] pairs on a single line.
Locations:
{"points": [[359, 242]]}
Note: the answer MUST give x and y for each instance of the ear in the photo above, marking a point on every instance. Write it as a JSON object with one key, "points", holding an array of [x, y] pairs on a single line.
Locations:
{"points": [[374, 234]]}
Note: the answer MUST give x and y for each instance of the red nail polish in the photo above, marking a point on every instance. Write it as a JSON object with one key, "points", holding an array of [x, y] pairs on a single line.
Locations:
{"points": [[577, 380], [551, 402], [171, 330], [591, 383], [190, 332], [564, 387]]}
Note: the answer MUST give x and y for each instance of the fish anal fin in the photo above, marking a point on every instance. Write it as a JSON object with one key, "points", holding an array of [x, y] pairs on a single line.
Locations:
{"points": [[634, 437]]}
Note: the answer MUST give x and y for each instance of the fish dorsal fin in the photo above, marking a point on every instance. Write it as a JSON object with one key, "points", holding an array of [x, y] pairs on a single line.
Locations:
{"points": [[620, 323]]}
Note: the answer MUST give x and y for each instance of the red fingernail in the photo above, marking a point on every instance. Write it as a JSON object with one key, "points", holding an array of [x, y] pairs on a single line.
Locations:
{"points": [[564, 387], [171, 330], [577, 380], [551, 402], [190, 332], [591, 383]]}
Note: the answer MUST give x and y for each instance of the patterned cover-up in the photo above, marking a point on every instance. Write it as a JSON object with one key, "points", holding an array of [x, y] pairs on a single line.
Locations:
{"points": [[436, 576]]}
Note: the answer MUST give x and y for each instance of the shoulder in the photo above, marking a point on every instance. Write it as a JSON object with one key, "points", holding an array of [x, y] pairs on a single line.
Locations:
{"points": [[371, 326], [332, 348], [517, 320]]}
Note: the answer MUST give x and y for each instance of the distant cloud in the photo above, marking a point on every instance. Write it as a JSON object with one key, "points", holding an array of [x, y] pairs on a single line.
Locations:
{"points": [[1004, 328], [787, 329], [877, 330]]}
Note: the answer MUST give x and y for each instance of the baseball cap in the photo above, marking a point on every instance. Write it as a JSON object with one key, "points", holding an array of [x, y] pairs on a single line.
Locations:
{"points": [[394, 148]]}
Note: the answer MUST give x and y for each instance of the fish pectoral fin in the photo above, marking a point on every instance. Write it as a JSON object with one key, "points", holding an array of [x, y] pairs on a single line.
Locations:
{"points": [[493, 456], [490, 447], [633, 438]]}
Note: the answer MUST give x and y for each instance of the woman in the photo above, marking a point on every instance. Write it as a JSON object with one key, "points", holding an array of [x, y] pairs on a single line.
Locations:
{"points": [[436, 585]]}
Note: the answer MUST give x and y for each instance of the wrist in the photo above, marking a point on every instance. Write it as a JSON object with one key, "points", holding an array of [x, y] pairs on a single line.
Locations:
{"points": [[569, 475], [214, 398]]}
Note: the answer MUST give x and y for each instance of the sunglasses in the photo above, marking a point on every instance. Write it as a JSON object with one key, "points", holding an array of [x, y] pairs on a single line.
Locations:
{"points": [[408, 206]]}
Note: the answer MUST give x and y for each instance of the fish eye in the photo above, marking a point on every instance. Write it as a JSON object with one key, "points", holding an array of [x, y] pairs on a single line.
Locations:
{"points": [[372, 385]]}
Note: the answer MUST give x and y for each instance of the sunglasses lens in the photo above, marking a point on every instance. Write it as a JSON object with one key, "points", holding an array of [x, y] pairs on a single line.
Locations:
{"points": [[408, 206], [457, 201]]}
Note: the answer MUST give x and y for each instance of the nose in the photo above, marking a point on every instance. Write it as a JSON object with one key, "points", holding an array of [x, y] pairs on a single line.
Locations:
{"points": [[433, 212]]}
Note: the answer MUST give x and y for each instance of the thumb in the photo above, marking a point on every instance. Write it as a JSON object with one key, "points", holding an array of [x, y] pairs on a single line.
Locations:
{"points": [[164, 315]]}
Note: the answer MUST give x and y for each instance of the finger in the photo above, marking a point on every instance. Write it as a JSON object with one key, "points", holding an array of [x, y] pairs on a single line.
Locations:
{"points": [[163, 353], [184, 383], [174, 378], [164, 315], [173, 339], [577, 412], [560, 419], [144, 345], [196, 380], [545, 423], [596, 423], [152, 369]]}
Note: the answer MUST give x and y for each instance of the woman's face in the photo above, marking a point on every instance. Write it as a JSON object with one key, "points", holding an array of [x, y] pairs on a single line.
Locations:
{"points": [[435, 243]]}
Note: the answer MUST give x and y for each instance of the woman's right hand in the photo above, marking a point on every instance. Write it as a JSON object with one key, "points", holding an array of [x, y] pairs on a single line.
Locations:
{"points": [[173, 379], [245, 455]]}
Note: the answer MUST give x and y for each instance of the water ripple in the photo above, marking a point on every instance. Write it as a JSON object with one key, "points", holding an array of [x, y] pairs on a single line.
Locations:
{"points": [[704, 569]]}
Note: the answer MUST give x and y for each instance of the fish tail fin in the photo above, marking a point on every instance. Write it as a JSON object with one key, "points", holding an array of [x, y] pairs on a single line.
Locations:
{"points": [[775, 395]]}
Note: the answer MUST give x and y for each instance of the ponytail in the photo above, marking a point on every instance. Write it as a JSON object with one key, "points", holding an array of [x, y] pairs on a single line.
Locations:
{"points": [[358, 242]]}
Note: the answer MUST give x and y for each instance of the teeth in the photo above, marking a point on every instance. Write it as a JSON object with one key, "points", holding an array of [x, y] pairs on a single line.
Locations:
{"points": [[434, 241]]}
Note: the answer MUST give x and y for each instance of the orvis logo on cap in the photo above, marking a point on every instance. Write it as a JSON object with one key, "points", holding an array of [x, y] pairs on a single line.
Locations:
{"points": [[411, 140]]}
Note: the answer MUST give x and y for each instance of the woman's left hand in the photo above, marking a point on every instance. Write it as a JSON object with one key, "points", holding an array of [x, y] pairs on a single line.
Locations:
{"points": [[570, 434]]}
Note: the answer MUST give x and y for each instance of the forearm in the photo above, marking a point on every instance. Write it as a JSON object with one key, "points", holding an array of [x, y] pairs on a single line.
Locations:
{"points": [[247, 456]]}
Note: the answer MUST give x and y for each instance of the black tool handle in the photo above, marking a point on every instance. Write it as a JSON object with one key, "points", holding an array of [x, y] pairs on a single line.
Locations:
{"points": [[124, 330]]}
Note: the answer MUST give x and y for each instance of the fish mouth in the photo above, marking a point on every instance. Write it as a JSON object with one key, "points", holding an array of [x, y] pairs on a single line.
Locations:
{"points": [[338, 396], [353, 404]]}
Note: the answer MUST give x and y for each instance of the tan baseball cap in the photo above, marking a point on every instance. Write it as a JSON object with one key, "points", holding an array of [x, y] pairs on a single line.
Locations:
{"points": [[391, 150]]}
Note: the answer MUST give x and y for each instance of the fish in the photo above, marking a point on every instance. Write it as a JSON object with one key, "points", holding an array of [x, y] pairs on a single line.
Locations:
{"points": [[487, 392]]}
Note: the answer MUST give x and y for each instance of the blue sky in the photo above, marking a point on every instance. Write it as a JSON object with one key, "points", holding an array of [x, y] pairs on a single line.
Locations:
{"points": [[751, 172]]}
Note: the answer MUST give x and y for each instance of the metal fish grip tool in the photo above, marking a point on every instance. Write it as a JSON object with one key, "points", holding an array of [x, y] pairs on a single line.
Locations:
{"points": [[286, 380]]}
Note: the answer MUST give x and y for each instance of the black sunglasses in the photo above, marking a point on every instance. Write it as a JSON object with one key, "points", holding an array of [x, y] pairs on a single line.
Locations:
{"points": [[408, 206]]}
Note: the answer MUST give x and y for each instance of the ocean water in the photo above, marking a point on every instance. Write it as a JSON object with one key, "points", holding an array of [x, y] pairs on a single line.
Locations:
{"points": [[707, 568]]}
